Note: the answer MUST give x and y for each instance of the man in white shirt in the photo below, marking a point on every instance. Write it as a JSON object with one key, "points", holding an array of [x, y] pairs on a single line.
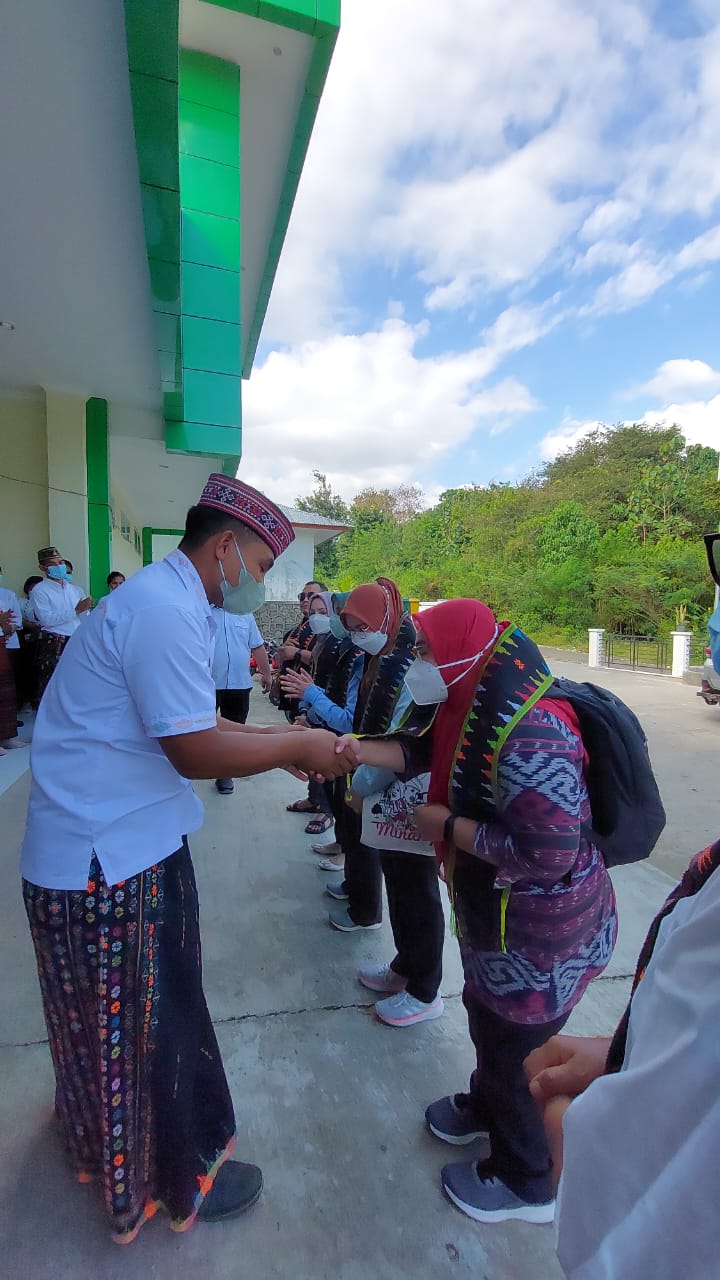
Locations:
{"points": [[59, 606], [128, 719], [634, 1123], [237, 638]]}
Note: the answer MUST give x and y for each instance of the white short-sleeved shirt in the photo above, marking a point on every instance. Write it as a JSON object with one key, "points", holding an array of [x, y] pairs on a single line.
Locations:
{"points": [[235, 637], [8, 600], [54, 605], [139, 669], [638, 1193]]}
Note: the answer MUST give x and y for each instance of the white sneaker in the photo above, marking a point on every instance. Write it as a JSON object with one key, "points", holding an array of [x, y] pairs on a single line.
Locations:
{"points": [[403, 1010], [382, 979]]}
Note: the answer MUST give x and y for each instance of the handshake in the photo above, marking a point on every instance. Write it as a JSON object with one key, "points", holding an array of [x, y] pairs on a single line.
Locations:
{"points": [[322, 756]]}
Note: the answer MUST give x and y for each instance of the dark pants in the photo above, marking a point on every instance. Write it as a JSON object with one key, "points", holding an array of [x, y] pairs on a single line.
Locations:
{"points": [[418, 923], [501, 1100], [363, 874], [233, 704]]}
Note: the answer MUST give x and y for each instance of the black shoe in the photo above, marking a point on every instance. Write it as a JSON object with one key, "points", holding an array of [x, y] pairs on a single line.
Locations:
{"points": [[225, 786], [236, 1188]]}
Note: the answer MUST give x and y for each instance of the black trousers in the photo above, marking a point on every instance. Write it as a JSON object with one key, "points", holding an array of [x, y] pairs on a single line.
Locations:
{"points": [[501, 1100], [413, 893], [417, 920], [233, 704]]}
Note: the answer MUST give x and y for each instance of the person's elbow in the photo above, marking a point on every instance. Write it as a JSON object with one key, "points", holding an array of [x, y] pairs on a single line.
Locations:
{"points": [[189, 753]]}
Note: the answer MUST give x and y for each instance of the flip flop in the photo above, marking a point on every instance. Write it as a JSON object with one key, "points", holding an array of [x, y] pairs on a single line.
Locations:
{"points": [[326, 865], [302, 806], [322, 823]]}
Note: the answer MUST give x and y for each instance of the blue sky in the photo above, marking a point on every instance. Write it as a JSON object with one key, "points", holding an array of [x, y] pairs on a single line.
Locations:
{"points": [[508, 229]]}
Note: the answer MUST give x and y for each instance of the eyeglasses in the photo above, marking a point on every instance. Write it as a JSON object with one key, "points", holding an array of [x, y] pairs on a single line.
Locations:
{"points": [[305, 595]]}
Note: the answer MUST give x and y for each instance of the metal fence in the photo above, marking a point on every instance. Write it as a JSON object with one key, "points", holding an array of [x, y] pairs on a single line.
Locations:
{"points": [[653, 653]]}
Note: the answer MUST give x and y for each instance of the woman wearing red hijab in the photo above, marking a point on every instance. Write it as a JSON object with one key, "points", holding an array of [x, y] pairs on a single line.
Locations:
{"points": [[379, 627], [532, 899]]}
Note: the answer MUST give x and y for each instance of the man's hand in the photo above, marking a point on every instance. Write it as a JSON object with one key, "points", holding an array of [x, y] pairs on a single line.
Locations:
{"points": [[7, 622], [295, 683], [305, 657], [266, 683], [565, 1066], [83, 605], [317, 754], [429, 820]]}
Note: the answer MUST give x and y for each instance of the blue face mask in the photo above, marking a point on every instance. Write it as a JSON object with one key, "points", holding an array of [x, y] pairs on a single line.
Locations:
{"points": [[247, 596], [58, 572], [336, 627]]}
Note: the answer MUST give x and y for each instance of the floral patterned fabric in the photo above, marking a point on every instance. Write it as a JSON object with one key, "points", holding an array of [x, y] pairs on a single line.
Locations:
{"points": [[141, 1095]]}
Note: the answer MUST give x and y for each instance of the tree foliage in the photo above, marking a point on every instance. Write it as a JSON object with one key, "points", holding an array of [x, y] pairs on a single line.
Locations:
{"points": [[608, 533]]}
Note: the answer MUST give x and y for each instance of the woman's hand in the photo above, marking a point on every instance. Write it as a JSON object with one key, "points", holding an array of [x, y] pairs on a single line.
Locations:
{"points": [[295, 683], [429, 820]]}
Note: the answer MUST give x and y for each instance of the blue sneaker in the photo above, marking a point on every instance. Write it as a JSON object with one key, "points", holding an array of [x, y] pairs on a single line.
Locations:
{"points": [[480, 1194], [453, 1120]]}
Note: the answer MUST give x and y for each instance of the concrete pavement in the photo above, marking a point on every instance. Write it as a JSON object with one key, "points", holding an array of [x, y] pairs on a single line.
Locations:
{"points": [[328, 1100]]}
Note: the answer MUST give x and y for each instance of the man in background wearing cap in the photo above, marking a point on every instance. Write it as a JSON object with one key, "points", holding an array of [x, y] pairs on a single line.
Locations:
{"points": [[109, 888], [59, 606]]}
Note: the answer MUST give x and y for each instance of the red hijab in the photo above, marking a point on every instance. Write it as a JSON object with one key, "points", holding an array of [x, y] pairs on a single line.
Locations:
{"points": [[455, 630], [379, 605]]}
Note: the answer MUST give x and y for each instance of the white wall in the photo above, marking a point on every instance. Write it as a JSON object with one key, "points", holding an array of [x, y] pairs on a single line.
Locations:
{"points": [[67, 476], [293, 568], [24, 526], [123, 557]]}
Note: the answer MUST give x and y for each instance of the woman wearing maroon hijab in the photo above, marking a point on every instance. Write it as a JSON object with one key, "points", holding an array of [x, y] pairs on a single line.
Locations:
{"points": [[533, 905]]}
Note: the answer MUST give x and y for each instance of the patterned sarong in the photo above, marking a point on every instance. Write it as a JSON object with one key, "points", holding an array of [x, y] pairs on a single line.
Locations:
{"points": [[49, 651], [141, 1096], [8, 707]]}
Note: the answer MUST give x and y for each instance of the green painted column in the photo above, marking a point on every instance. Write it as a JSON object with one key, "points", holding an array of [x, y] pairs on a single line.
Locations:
{"points": [[98, 495]]}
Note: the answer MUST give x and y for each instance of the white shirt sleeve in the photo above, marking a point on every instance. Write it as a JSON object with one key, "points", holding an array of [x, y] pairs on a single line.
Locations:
{"points": [[165, 656], [638, 1196]]}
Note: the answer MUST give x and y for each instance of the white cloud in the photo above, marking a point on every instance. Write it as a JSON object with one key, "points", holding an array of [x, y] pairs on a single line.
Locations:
{"points": [[367, 409], [570, 432], [468, 142], [675, 378], [698, 419]]}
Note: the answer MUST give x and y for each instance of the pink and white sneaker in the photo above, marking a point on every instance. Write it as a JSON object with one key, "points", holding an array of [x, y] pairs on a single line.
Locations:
{"points": [[382, 979], [403, 1010]]}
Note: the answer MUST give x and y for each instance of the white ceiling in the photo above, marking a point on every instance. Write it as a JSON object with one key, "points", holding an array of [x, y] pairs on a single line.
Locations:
{"points": [[73, 265], [271, 90], [158, 486]]}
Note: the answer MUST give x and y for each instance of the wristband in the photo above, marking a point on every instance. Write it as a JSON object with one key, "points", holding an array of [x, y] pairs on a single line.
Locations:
{"points": [[449, 828]]}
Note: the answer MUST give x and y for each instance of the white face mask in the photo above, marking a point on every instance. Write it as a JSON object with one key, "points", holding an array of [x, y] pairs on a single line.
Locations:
{"points": [[425, 683], [372, 642], [319, 624]]}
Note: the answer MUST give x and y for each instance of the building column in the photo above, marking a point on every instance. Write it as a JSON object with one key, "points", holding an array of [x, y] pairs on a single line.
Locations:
{"points": [[79, 485], [67, 480]]}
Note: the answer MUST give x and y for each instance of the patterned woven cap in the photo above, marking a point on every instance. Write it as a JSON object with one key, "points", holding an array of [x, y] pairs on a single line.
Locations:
{"points": [[251, 508], [48, 553]]}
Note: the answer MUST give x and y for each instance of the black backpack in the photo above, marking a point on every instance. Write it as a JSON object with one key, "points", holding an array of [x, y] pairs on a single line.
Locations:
{"points": [[627, 812]]}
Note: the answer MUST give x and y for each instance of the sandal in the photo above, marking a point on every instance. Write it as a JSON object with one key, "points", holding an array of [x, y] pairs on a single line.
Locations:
{"points": [[302, 806], [323, 822]]}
